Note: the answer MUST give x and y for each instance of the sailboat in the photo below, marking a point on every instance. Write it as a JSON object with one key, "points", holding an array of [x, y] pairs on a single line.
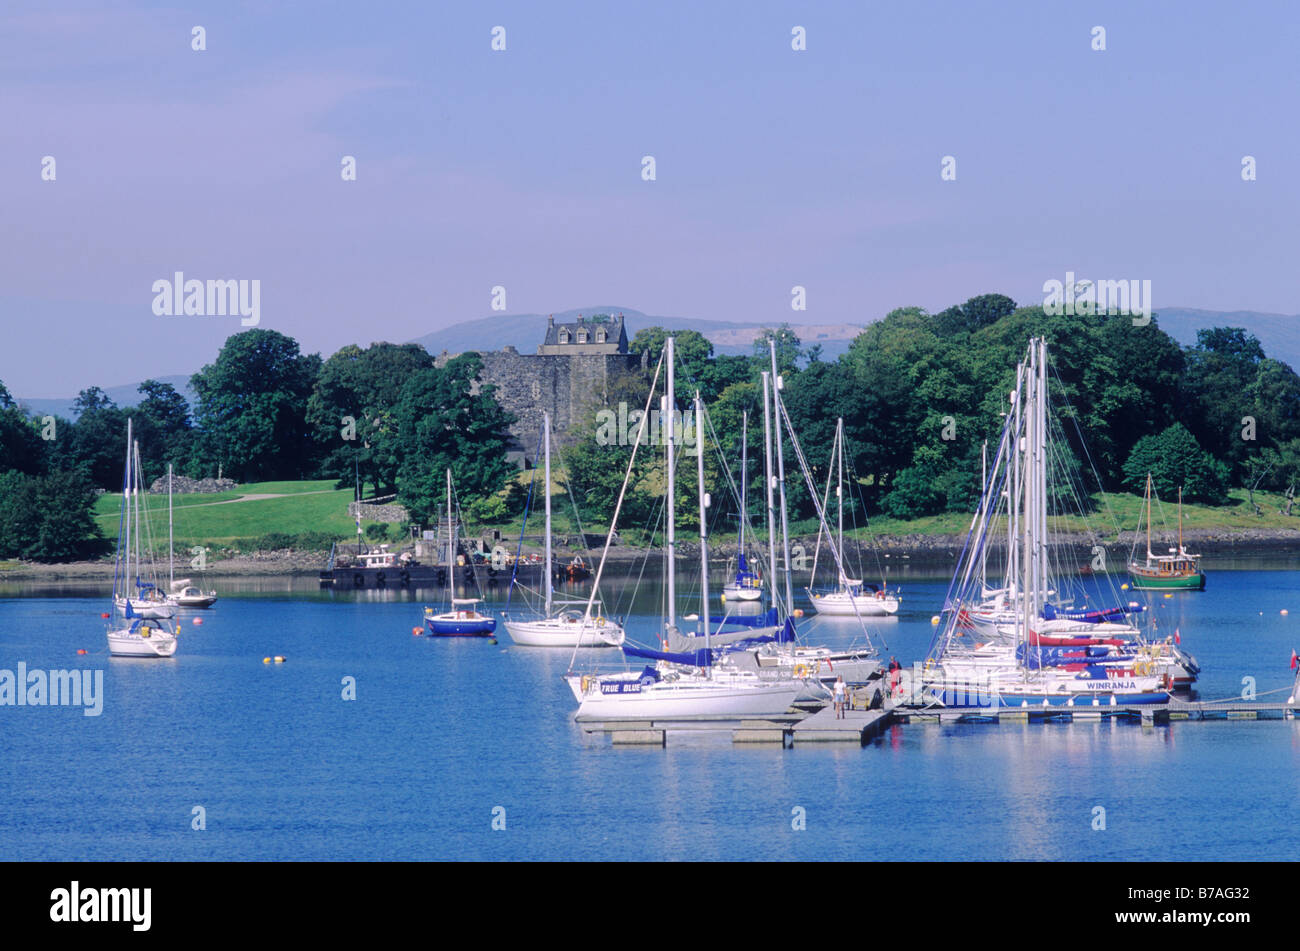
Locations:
{"points": [[677, 685], [1022, 648], [464, 619], [1177, 570], [147, 600], [849, 598], [134, 635], [744, 585], [569, 627], [183, 593]]}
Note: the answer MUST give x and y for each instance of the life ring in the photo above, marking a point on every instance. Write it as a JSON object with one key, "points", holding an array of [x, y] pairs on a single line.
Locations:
{"points": [[585, 680], [358, 580], [145, 631], [800, 671], [600, 622]]}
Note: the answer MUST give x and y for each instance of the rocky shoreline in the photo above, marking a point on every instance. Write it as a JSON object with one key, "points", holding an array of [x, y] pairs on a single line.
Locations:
{"points": [[939, 551]]}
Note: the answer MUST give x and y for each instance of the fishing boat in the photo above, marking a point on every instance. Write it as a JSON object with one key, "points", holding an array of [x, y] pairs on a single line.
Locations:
{"points": [[129, 633], [743, 585], [1026, 646], [677, 685], [1176, 571], [568, 627], [464, 619], [851, 597]]}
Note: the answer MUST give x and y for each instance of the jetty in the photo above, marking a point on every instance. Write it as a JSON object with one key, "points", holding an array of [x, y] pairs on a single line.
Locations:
{"points": [[863, 723]]}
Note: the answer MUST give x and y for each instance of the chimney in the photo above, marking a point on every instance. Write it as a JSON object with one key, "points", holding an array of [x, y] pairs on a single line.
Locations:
{"points": [[550, 320], [580, 318]]}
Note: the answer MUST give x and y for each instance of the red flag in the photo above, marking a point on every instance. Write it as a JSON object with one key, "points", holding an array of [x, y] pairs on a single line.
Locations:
{"points": [[1178, 638], [1293, 658]]}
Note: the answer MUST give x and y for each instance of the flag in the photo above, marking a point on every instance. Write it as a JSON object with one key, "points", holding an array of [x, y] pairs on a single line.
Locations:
{"points": [[1178, 638], [1293, 658]]}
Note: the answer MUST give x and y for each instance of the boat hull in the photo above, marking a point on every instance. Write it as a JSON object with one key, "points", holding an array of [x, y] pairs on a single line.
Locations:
{"points": [[1194, 582], [735, 592], [460, 627], [555, 633], [123, 643], [842, 605], [630, 700]]}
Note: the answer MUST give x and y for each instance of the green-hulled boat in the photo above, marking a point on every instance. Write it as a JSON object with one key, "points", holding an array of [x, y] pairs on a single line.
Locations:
{"points": [[1177, 571]]}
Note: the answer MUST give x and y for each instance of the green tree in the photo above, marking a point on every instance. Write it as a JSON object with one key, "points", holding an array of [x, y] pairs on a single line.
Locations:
{"points": [[251, 407], [1175, 459], [444, 418]]}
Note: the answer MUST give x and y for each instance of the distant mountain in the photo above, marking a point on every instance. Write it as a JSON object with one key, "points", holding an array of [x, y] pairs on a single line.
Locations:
{"points": [[525, 331], [125, 395]]}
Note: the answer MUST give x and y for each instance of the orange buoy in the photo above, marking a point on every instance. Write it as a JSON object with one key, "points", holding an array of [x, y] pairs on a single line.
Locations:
{"points": [[415, 632], [198, 620], [266, 660], [81, 650], [104, 614]]}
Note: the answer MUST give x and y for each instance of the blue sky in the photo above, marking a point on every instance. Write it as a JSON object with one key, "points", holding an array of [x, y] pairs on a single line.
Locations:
{"points": [[522, 168]]}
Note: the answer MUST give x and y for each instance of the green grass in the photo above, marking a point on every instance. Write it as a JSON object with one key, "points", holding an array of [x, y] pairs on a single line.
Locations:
{"points": [[313, 506]]}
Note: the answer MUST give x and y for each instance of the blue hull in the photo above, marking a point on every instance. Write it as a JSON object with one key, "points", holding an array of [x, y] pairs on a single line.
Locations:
{"points": [[482, 627]]}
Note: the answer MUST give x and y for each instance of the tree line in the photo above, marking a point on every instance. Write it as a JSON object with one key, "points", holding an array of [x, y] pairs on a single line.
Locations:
{"points": [[919, 393]]}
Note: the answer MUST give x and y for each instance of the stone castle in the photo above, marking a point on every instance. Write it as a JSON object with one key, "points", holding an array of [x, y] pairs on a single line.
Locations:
{"points": [[567, 377]]}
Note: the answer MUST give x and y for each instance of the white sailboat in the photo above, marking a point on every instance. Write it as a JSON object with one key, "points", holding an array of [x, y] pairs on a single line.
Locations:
{"points": [[678, 686], [183, 593], [568, 627], [744, 585], [850, 598], [143, 595], [463, 619], [1023, 650], [134, 634]]}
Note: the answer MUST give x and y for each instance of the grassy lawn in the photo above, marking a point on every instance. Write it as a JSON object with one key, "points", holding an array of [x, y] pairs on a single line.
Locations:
{"points": [[314, 506]]}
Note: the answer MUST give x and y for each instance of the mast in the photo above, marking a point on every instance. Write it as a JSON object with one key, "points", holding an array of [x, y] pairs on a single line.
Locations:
{"points": [[744, 477], [984, 548], [1148, 493], [126, 502], [670, 508], [780, 473], [451, 544], [1026, 566], [771, 503], [839, 482], [704, 521], [171, 541], [546, 436], [1041, 425]]}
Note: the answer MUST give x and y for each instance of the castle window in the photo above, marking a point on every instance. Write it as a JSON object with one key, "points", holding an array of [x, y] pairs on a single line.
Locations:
{"points": [[600, 336], [564, 335], [582, 336]]}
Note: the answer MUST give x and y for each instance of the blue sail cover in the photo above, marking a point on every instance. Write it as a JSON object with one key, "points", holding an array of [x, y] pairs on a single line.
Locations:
{"points": [[696, 658], [1036, 658]]}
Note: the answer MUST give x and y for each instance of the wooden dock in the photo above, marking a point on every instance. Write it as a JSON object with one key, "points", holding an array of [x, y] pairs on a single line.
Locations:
{"points": [[857, 726]]}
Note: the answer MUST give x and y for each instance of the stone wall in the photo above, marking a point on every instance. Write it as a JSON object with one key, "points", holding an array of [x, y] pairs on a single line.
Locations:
{"points": [[567, 386]]}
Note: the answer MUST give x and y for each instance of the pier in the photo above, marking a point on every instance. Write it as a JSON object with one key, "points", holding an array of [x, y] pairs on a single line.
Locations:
{"points": [[860, 725]]}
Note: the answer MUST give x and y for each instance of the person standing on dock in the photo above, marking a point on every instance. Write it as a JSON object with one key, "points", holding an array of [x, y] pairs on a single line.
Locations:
{"points": [[839, 697]]}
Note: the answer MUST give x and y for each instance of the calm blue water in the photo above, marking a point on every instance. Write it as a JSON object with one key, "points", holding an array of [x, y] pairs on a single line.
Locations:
{"points": [[444, 731]]}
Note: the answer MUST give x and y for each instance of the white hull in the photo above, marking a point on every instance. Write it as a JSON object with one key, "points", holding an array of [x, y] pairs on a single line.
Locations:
{"points": [[688, 697], [561, 632], [147, 609], [839, 604], [185, 601], [125, 644], [735, 592]]}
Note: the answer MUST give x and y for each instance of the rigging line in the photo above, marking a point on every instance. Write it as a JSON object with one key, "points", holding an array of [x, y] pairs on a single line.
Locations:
{"points": [[618, 506], [732, 486], [523, 527], [821, 513]]}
